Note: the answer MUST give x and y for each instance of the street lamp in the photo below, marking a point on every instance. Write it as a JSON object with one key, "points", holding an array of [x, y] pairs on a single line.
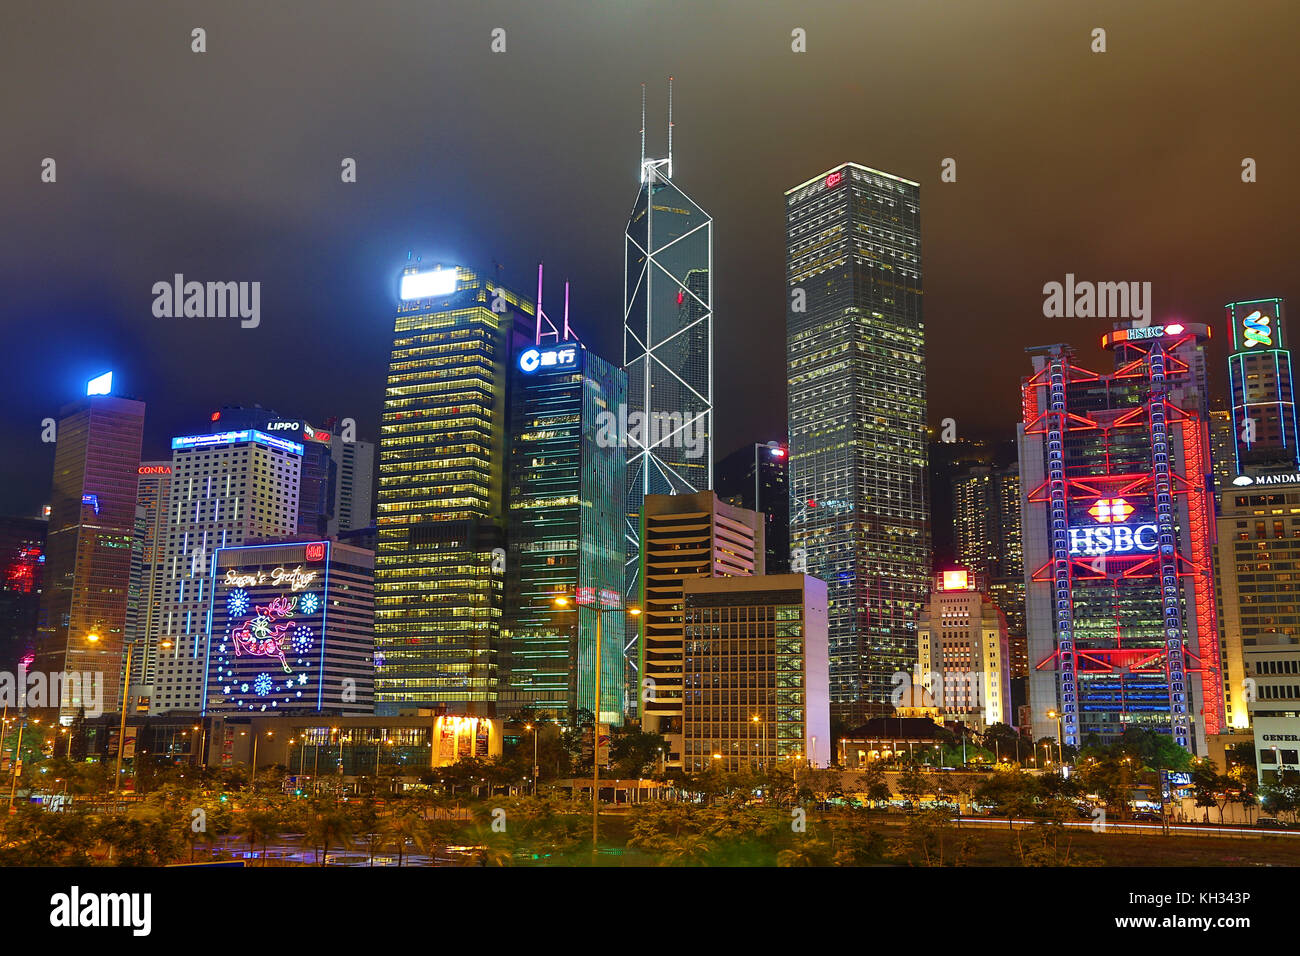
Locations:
{"points": [[763, 756], [1060, 757], [534, 730], [126, 693], [563, 601], [253, 770]]}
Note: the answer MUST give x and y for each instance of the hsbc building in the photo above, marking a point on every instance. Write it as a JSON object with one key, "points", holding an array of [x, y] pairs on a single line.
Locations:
{"points": [[1119, 541]]}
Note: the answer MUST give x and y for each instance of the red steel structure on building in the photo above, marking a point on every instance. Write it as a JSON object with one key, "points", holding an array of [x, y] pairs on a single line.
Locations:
{"points": [[1068, 406]]}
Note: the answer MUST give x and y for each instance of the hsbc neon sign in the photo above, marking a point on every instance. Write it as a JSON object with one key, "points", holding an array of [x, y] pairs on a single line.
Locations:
{"points": [[1114, 539]]}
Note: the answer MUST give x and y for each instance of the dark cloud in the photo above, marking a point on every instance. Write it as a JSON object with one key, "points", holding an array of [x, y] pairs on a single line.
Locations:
{"points": [[225, 165]]}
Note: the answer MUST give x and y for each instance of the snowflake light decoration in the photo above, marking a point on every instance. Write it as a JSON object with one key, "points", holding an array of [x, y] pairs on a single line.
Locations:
{"points": [[309, 604], [237, 602], [302, 639], [262, 684]]}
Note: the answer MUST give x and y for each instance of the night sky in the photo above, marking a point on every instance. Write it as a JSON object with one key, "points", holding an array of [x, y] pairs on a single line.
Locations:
{"points": [[225, 166]]}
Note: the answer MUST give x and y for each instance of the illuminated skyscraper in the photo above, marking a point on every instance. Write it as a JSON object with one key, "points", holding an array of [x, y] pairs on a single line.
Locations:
{"points": [[667, 347], [22, 573], [292, 629], [1263, 397], [1118, 542], [144, 626], [227, 489], [565, 533], [859, 518], [440, 564], [686, 537], [92, 523]]}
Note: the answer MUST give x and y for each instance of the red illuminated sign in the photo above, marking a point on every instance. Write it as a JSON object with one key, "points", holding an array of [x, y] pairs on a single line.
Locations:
{"points": [[317, 435], [316, 551], [834, 179], [155, 469]]}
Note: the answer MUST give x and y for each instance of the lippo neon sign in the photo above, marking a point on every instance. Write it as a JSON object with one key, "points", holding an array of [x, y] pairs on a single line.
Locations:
{"points": [[1114, 539]]}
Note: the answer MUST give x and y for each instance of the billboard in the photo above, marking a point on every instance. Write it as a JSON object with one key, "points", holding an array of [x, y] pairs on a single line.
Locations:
{"points": [[267, 646]]}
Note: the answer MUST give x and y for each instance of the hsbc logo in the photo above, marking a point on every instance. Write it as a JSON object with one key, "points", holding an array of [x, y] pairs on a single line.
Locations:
{"points": [[1114, 539]]}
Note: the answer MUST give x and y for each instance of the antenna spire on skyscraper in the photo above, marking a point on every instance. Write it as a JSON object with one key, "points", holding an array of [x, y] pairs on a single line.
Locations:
{"points": [[670, 127]]}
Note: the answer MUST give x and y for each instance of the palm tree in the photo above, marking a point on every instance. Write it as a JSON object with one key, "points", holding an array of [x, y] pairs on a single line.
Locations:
{"points": [[326, 827], [402, 826], [258, 827]]}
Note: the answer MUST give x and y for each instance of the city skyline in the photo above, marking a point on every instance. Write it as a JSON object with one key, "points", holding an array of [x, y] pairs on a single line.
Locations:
{"points": [[202, 206]]}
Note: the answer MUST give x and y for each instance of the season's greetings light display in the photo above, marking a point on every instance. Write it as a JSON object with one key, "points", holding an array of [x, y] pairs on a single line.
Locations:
{"points": [[268, 632]]}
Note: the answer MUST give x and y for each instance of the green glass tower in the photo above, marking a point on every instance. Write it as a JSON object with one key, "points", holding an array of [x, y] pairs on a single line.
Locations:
{"points": [[565, 533], [440, 560]]}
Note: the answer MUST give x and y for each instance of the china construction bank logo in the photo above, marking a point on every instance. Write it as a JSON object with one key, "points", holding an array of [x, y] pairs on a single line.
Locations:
{"points": [[1257, 329]]}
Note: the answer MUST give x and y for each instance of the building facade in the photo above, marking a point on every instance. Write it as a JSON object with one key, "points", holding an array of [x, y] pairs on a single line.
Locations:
{"points": [[227, 489], [22, 581], [859, 515], [1259, 576], [686, 537], [292, 630], [1118, 541], [566, 473], [964, 657], [440, 563], [1272, 666], [144, 628], [757, 672], [668, 357], [734, 482], [88, 545], [1261, 390]]}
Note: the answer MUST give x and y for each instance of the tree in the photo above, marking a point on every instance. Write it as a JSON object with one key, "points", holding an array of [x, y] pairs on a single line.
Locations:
{"points": [[912, 783], [633, 753], [404, 826]]}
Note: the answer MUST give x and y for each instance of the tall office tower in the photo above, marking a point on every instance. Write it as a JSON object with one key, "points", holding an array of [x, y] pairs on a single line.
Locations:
{"points": [[318, 479], [22, 579], [228, 489], [734, 482], [439, 569], [667, 351], [292, 630], [986, 522], [948, 460], [1223, 451], [686, 537], [1258, 550], [757, 670], [144, 627], [964, 657], [567, 472], [1118, 542], [92, 520], [859, 514], [354, 496], [1264, 421]]}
